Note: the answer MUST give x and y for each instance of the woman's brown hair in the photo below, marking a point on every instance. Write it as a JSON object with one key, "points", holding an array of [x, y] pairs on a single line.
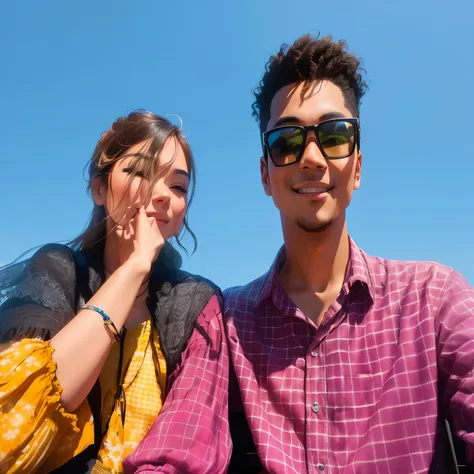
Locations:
{"points": [[137, 127]]}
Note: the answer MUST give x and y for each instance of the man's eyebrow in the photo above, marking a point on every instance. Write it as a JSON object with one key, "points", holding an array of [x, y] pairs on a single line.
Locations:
{"points": [[293, 120], [287, 120], [331, 115]]}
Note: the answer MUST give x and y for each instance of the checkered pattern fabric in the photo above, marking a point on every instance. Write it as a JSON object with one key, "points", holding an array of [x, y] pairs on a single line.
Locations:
{"points": [[191, 434], [365, 392]]}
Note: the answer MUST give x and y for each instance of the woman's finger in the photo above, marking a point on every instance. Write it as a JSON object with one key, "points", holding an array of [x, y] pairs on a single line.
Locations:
{"points": [[128, 215]]}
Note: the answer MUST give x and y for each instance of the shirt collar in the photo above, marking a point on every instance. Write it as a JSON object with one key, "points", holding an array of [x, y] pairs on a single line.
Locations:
{"points": [[271, 277], [358, 270]]}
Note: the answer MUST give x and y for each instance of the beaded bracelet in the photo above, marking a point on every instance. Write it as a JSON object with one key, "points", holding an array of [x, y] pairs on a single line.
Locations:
{"points": [[107, 321]]}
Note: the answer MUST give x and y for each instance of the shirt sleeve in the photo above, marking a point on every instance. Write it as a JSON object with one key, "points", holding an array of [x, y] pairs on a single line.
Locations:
{"points": [[191, 434], [456, 358], [36, 433]]}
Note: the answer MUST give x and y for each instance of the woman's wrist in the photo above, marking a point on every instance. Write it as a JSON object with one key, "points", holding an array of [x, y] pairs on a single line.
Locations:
{"points": [[138, 265]]}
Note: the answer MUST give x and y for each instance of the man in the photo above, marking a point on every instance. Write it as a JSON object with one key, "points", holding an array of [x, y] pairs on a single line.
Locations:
{"points": [[346, 363]]}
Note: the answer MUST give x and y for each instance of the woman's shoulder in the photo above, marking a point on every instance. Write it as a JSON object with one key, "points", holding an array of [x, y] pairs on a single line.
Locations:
{"points": [[184, 276], [39, 293], [55, 250], [50, 258], [182, 284], [52, 265], [54, 259]]}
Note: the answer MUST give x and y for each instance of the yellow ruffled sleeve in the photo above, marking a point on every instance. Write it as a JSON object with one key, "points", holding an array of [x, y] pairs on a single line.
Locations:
{"points": [[36, 434]]}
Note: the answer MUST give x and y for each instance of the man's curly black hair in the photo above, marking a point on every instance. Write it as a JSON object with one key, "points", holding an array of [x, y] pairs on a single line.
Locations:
{"points": [[310, 59]]}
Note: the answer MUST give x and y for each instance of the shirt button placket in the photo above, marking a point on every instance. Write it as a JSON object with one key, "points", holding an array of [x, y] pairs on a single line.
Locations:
{"points": [[317, 421]]}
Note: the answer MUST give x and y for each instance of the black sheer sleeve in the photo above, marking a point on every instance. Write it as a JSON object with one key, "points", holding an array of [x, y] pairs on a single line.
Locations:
{"points": [[38, 296]]}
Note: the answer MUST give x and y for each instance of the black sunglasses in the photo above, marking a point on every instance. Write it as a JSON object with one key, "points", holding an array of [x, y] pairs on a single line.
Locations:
{"points": [[336, 138]]}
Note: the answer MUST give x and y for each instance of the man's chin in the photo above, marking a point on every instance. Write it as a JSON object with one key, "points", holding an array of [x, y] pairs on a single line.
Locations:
{"points": [[313, 226]]}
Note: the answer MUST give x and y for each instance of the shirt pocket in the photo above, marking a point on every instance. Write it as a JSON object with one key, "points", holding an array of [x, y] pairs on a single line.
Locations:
{"points": [[353, 398]]}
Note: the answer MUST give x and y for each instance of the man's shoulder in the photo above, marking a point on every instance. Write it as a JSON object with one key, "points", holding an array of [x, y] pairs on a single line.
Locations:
{"points": [[242, 297], [407, 272]]}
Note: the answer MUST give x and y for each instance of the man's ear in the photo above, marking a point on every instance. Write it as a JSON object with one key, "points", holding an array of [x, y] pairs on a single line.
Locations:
{"points": [[99, 191], [358, 169], [265, 177]]}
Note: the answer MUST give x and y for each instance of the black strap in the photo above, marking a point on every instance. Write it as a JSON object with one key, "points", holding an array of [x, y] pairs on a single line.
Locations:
{"points": [[154, 352], [244, 453], [455, 452], [120, 393]]}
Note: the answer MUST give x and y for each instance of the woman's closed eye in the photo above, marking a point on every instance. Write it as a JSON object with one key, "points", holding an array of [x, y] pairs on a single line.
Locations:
{"points": [[182, 189], [139, 173]]}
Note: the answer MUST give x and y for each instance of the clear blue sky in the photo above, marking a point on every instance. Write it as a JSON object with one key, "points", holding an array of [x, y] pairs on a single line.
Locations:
{"points": [[68, 69]]}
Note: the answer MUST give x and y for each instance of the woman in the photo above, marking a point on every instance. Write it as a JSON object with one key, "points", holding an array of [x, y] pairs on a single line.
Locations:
{"points": [[90, 331]]}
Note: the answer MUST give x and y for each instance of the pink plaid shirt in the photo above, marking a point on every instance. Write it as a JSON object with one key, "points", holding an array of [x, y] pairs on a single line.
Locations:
{"points": [[367, 391]]}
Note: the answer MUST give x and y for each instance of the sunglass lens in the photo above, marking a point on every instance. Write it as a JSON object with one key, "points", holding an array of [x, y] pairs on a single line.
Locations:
{"points": [[337, 138], [285, 145]]}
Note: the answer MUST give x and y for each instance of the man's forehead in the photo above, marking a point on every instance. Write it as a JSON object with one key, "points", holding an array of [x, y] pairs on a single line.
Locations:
{"points": [[321, 97]]}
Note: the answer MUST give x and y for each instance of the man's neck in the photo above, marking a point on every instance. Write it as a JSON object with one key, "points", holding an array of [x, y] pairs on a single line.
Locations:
{"points": [[315, 261]]}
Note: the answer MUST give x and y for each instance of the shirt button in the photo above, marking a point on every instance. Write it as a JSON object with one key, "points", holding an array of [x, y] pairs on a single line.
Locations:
{"points": [[316, 408], [314, 353], [320, 467]]}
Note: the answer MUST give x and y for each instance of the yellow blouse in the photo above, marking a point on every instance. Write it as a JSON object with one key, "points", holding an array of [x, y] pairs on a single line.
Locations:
{"points": [[37, 435]]}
